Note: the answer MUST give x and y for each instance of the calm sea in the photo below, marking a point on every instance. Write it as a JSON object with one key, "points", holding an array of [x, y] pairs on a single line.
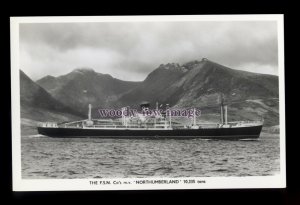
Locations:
{"points": [[60, 158]]}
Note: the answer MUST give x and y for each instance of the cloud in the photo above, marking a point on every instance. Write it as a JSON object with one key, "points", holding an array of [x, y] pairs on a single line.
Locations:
{"points": [[131, 50]]}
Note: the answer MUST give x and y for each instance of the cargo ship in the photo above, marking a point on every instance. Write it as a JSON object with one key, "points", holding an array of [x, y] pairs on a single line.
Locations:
{"points": [[155, 127]]}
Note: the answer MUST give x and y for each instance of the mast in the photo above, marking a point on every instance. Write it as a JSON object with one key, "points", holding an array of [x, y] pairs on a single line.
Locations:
{"points": [[223, 110], [170, 119], [170, 116], [90, 112], [123, 120], [225, 114], [194, 117], [155, 114], [221, 107]]}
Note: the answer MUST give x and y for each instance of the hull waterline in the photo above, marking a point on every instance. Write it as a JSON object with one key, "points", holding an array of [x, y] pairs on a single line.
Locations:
{"points": [[235, 133]]}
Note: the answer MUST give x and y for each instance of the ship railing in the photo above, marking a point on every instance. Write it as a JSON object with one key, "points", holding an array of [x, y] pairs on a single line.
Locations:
{"points": [[101, 126], [74, 122], [48, 124], [258, 122], [71, 126], [123, 126]]}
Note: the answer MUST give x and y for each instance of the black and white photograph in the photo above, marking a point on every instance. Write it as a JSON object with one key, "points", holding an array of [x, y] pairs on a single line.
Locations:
{"points": [[148, 102]]}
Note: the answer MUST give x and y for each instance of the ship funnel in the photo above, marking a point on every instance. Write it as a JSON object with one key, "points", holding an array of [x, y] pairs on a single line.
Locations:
{"points": [[144, 105], [90, 112]]}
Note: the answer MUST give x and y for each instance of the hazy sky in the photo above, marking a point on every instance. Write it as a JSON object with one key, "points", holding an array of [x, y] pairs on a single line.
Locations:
{"points": [[131, 50]]}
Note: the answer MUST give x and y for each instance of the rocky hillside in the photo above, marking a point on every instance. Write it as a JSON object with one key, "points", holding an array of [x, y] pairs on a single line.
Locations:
{"points": [[84, 86], [200, 83], [155, 88], [37, 105], [249, 96]]}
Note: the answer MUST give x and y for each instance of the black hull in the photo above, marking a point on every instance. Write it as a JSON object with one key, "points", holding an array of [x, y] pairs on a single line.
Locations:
{"points": [[237, 133]]}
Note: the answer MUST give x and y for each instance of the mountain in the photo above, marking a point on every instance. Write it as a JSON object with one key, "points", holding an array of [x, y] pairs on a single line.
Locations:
{"points": [[37, 105], [85, 86], [155, 87], [196, 83], [200, 83], [249, 96]]}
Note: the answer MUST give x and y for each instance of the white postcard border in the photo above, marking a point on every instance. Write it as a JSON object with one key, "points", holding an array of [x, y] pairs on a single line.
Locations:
{"points": [[19, 184]]}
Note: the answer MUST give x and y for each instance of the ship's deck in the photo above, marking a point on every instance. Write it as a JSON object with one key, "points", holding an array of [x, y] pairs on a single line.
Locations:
{"points": [[151, 126]]}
